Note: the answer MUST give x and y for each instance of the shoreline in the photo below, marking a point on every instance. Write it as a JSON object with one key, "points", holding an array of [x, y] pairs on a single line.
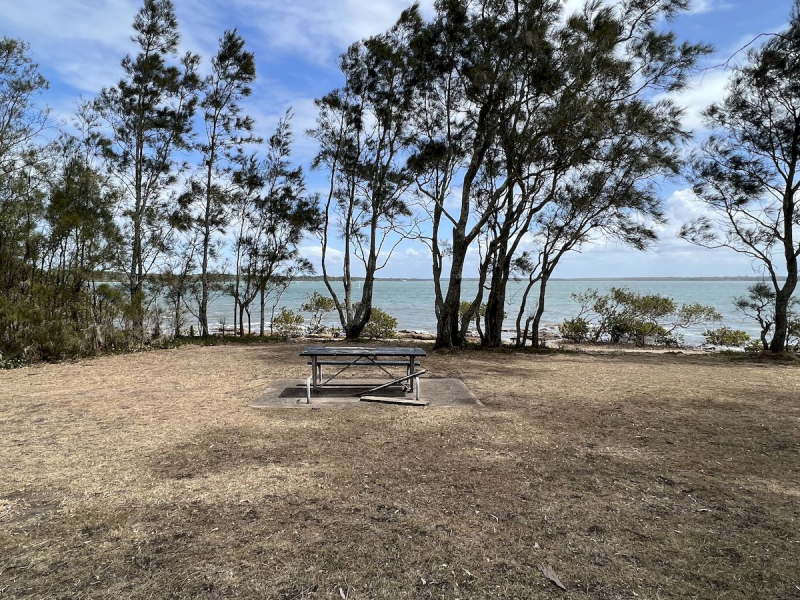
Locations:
{"points": [[551, 343]]}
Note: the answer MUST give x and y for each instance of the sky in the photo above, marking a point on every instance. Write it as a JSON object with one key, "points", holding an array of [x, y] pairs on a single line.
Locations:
{"points": [[79, 44]]}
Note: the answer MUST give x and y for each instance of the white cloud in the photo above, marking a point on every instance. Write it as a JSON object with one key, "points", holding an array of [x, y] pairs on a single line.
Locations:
{"points": [[698, 7], [319, 29], [83, 41], [703, 90]]}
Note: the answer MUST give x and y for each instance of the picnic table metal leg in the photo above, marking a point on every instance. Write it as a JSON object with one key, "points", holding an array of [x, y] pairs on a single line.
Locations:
{"points": [[314, 373], [411, 363]]}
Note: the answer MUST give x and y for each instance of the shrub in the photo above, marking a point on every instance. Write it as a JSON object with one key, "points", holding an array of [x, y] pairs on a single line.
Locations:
{"points": [[318, 305], [725, 336], [381, 325], [287, 323], [626, 316], [575, 330]]}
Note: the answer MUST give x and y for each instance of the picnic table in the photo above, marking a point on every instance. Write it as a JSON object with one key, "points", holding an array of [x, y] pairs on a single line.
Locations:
{"points": [[344, 358]]}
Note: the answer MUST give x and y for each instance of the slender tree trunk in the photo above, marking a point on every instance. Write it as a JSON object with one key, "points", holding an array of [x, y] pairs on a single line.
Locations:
{"points": [[207, 236], [203, 309], [263, 303], [235, 315], [136, 286], [136, 253], [177, 322], [783, 296], [537, 318], [522, 333]]}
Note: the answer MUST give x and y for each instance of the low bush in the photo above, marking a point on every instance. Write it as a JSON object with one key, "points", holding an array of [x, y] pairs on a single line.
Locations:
{"points": [[288, 323], [318, 305], [725, 336], [575, 330], [623, 315], [381, 325]]}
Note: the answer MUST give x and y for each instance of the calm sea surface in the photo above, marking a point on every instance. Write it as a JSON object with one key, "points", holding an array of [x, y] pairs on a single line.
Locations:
{"points": [[411, 302]]}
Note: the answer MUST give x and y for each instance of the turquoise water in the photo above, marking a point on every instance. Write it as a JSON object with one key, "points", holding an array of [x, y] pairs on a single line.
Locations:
{"points": [[412, 302]]}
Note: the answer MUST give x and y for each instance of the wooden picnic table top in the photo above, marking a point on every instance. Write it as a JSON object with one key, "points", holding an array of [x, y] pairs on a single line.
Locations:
{"points": [[358, 351]]}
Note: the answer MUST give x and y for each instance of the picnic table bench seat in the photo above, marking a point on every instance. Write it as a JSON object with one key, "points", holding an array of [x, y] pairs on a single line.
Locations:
{"points": [[387, 363]]}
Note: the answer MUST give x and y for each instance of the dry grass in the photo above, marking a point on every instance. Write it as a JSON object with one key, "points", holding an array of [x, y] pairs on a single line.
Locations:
{"points": [[147, 475]]}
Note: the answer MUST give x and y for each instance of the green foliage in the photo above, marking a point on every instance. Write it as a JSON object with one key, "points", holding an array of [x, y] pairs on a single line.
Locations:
{"points": [[793, 335], [207, 202], [575, 330], [626, 316], [725, 336], [57, 229], [381, 325], [747, 174], [318, 305], [274, 213], [20, 119], [287, 323], [363, 130], [759, 304], [149, 118]]}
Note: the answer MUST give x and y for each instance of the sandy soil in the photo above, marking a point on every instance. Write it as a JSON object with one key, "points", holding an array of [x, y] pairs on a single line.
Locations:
{"points": [[637, 475]]}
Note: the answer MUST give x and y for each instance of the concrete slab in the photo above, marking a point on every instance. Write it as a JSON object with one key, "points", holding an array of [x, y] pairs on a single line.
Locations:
{"points": [[291, 393]]}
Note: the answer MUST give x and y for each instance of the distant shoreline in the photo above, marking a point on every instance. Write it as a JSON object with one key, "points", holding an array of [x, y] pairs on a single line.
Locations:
{"points": [[318, 278]]}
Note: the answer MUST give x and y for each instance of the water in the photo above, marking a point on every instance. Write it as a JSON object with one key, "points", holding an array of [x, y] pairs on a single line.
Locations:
{"points": [[412, 302]]}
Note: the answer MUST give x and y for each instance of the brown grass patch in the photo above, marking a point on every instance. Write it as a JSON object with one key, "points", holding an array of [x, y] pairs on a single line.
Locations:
{"points": [[146, 476]]}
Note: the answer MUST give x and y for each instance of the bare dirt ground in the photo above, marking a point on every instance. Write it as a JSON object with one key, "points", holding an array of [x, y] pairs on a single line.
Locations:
{"points": [[637, 475]]}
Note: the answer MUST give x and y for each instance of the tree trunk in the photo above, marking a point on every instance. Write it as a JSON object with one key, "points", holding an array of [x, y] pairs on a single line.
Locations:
{"points": [[136, 285], [496, 300], [783, 297], [448, 326], [177, 322], [263, 304], [522, 333], [782, 300], [203, 309], [235, 315], [355, 326], [537, 318]]}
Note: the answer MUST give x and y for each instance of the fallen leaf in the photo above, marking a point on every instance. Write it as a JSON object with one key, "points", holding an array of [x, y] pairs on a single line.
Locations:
{"points": [[548, 572]]}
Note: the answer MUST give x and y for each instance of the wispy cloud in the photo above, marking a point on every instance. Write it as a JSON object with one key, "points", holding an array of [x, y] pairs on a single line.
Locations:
{"points": [[698, 7], [703, 90], [319, 29]]}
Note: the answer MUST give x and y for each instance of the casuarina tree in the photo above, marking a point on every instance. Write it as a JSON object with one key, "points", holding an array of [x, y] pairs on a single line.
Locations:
{"points": [[149, 115], [363, 131], [226, 130], [747, 172]]}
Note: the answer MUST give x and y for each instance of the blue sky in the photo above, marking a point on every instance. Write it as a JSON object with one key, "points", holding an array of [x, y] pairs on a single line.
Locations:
{"points": [[79, 44]]}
